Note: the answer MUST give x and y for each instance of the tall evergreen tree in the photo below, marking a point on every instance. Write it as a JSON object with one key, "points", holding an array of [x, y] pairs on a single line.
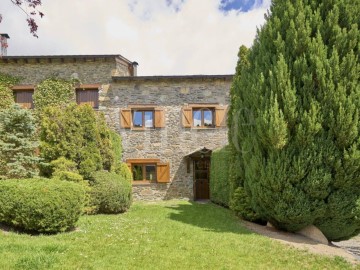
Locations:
{"points": [[299, 95]]}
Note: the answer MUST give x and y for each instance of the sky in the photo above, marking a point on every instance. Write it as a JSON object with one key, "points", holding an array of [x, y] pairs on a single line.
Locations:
{"points": [[166, 37]]}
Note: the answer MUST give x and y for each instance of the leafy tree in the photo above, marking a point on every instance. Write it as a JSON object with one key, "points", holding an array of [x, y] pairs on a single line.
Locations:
{"points": [[294, 118], [30, 8], [77, 134], [17, 144]]}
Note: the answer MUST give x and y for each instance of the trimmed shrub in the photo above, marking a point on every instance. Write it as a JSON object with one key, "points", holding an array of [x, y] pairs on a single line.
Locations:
{"points": [[17, 143], [219, 175], [40, 205], [111, 193]]}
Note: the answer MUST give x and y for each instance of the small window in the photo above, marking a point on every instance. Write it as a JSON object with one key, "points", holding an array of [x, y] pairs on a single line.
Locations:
{"points": [[88, 96], [23, 95], [143, 119], [149, 171], [144, 172], [203, 117]]}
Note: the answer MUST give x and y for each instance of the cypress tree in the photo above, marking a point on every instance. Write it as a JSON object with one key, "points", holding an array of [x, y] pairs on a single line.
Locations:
{"points": [[294, 117]]}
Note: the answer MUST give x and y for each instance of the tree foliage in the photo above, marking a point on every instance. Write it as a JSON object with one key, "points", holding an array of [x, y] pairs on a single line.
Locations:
{"points": [[77, 134], [294, 117], [17, 143], [31, 10], [6, 94]]}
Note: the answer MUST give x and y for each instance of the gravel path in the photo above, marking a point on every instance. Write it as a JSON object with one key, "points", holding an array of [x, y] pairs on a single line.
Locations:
{"points": [[343, 249]]}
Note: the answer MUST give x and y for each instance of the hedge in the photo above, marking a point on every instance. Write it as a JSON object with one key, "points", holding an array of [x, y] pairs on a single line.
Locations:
{"points": [[219, 175], [111, 193], [40, 205]]}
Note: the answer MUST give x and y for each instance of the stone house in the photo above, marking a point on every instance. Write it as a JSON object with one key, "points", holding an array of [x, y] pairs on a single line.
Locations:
{"points": [[169, 124]]}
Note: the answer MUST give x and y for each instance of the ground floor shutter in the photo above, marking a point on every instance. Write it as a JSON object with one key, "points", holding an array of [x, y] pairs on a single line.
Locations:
{"points": [[163, 172]]}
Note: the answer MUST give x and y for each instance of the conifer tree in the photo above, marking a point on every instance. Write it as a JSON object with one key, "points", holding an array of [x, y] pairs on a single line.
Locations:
{"points": [[299, 94], [17, 143]]}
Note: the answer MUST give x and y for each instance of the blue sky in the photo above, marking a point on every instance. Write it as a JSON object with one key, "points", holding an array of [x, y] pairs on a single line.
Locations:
{"points": [[166, 37], [240, 5]]}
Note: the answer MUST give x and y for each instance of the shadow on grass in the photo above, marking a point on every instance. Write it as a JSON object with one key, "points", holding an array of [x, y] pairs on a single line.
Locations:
{"points": [[209, 216]]}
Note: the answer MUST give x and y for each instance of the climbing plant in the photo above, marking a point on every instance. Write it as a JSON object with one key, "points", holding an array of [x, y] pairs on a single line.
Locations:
{"points": [[55, 92], [6, 94]]}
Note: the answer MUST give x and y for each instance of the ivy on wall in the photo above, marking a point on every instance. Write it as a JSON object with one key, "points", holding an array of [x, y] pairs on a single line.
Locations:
{"points": [[55, 92], [6, 94]]}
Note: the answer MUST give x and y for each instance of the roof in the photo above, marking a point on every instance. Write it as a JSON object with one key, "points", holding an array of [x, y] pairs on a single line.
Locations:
{"points": [[75, 57], [227, 77]]}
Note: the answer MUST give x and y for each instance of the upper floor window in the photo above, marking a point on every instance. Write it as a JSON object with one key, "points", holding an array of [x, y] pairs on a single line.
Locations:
{"points": [[23, 95], [88, 94], [142, 117], [204, 116]]}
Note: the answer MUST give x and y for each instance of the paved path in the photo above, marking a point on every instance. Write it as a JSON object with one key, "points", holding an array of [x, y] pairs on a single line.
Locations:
{"points": [[302, 242], [352, 245]]}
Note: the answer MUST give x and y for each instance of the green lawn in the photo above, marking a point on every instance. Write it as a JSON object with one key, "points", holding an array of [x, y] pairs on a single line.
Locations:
{"points": [[165, 235]]}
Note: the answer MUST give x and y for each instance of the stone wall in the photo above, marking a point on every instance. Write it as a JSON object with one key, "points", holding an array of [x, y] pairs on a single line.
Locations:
{"points": [[88, 71], [174, 142]]}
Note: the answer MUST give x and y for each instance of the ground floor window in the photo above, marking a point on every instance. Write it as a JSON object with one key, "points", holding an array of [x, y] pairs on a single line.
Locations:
{"points": [[149, 171], [144, 172]]}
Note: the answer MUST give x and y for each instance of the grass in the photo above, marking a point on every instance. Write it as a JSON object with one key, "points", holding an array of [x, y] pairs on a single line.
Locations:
{"points": [[165, 235]]}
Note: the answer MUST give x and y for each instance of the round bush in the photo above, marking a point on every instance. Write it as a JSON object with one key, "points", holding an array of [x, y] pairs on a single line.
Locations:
{"points": [[40, 205], [110, 192]]}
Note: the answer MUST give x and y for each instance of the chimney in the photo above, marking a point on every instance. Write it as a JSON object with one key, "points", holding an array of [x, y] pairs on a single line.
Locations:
{"points": [[134, 68], [4, 44]]}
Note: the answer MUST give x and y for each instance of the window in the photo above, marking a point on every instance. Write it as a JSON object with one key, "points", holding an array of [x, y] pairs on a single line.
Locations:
{"points": [[23, 95], [204, 116], [149, 171], [142, 118], [144, 172], [88, 94]]}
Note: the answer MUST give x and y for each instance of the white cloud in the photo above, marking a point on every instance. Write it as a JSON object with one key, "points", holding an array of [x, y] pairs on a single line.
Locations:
{"points": [[164, 37]]}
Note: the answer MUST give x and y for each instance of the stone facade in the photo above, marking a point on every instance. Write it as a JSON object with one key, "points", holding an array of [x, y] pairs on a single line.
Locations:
{"points": [[88, 69], [119, 90], [173, 142]]}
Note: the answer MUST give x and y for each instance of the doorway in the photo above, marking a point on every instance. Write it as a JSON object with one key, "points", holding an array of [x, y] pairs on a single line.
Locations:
{"points": [[202, 178]]}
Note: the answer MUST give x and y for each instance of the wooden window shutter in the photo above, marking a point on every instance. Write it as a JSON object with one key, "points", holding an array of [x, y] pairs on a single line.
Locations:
{"points": [[220, 116], [125, 118], [186, 117], [159, 118], [163, 172]]}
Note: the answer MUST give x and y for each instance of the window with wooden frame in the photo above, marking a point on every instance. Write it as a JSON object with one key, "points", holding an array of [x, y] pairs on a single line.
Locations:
{"points": [[88, 94], [204, 116], [23, 95], [149, 171], [142, 118]]}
